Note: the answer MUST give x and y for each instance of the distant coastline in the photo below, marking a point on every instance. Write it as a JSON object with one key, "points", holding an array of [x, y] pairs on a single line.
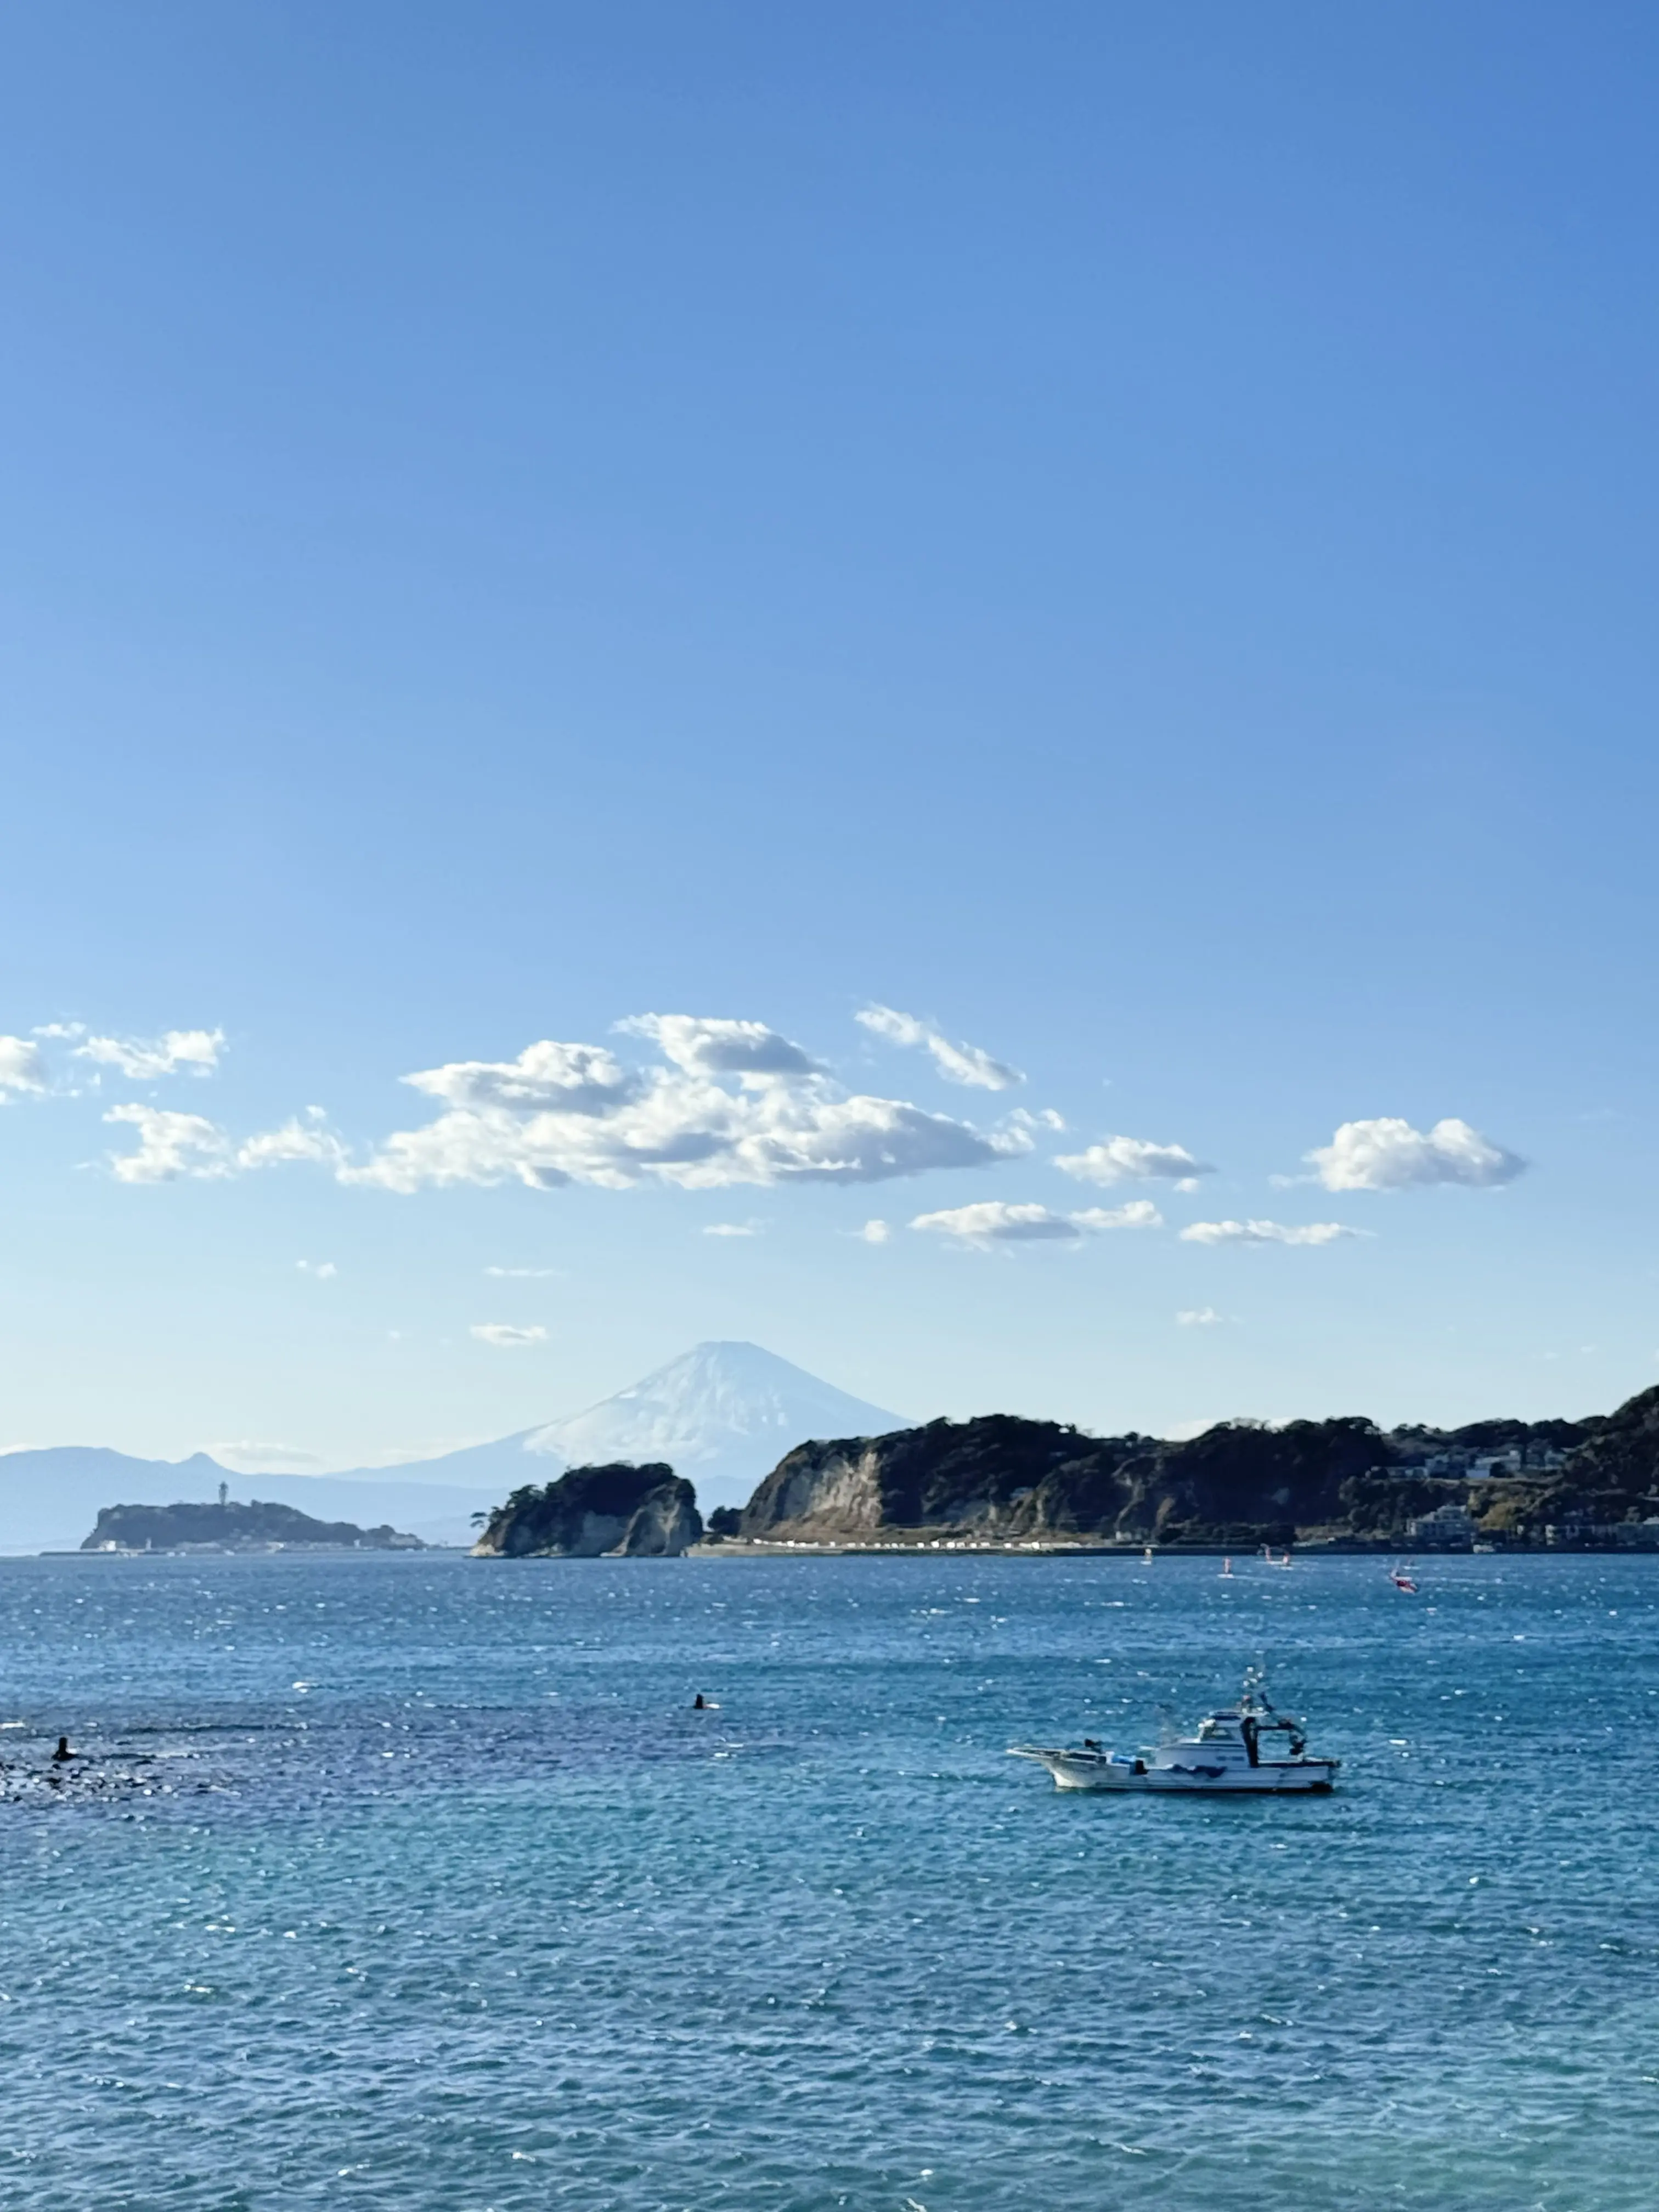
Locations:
{"points": [[1002, 1484]]}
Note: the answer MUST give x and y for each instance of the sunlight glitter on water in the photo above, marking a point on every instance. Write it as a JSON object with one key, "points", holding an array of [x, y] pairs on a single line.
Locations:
{"points": [[484, 1913]]}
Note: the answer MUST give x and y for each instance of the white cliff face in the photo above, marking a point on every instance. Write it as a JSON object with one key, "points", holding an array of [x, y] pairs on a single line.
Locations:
{"points": [[723, 1415], [665, 1526], [843, 1489]]}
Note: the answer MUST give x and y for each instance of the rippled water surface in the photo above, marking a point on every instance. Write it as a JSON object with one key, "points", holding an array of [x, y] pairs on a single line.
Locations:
{"points": [[416, 1883]]}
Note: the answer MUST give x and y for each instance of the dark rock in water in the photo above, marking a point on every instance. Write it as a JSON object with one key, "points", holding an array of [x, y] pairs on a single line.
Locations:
{"points": [[615, 1511], [229, 1525]]}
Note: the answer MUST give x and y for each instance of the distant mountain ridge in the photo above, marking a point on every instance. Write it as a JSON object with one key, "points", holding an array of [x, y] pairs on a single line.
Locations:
{"points": [[50, 1498], [722, 1415], [727, 1407]]}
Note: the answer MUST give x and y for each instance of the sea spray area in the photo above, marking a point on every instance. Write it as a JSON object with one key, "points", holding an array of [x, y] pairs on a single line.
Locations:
{"points": [[412, 1881]]}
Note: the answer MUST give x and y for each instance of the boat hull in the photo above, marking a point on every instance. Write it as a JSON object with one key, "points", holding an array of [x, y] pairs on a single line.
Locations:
{"points": [[1312, 1777]]}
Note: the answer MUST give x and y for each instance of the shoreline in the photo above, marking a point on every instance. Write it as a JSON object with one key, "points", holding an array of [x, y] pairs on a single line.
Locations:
{"points": [[931, 1547]]}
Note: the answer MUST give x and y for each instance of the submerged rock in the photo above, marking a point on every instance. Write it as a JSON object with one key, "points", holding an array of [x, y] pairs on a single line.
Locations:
{"points": [[611, 1511]]}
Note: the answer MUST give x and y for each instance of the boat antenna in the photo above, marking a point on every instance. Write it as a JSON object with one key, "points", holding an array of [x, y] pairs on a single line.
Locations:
{"points": [[1254, 1694]]}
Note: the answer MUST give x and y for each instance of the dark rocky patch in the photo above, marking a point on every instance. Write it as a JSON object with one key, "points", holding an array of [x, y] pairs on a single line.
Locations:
{"points": [[1240, 1483], [230, 1526], [614, 1510]]}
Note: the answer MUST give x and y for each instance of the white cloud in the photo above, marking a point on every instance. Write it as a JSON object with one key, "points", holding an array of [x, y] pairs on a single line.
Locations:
{"points": [[992, 1221], [295, 1140], [1388, 1154], [1264, 1232], [22, 1066], [876, 1232], [703, 1046], [522, 1274], [170, 1145], [734, 1103], [671, 1124], [502, 1333], [1133, 1159], [145, 1060], [731, 1229], [957, 1063], [1199, 1317], [1138, 1213], [566, 1079], [324, 1270]]}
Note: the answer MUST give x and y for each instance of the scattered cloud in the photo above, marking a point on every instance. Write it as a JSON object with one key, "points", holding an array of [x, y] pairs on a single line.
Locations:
{"points": [[503, 1333], [1199, 1317], [1138, 1213], [567, 1114], [523, 1274], [876, 1232], [295, 1140], [145, 1060], [22, 1066], [1266, 1232], [992, 1221], [1388, 1154], [545, 1077], [957, 1063], [170, 1145], [324, 1270], [731, 1229], [702, 1046], [732, 1103], [1133, 1159]]}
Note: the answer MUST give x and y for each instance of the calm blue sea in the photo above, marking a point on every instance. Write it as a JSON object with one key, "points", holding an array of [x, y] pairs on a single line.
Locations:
{"points": [[416, 1882]]}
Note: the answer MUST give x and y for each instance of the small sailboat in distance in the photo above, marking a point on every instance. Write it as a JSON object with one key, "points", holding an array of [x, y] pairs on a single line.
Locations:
{"points": [[1226, 1574], [1146, 1557], [1402, 1581]]}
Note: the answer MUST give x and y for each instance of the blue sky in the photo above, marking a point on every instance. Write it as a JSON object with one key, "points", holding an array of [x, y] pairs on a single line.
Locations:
{"points": [[1124, 534]]}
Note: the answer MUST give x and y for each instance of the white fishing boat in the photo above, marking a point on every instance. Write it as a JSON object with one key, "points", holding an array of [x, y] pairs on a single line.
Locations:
{"points": [[1248, 1747]]}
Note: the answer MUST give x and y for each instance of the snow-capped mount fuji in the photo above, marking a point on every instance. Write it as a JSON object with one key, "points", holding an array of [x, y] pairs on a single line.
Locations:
{"points": [[722, 1414]]}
